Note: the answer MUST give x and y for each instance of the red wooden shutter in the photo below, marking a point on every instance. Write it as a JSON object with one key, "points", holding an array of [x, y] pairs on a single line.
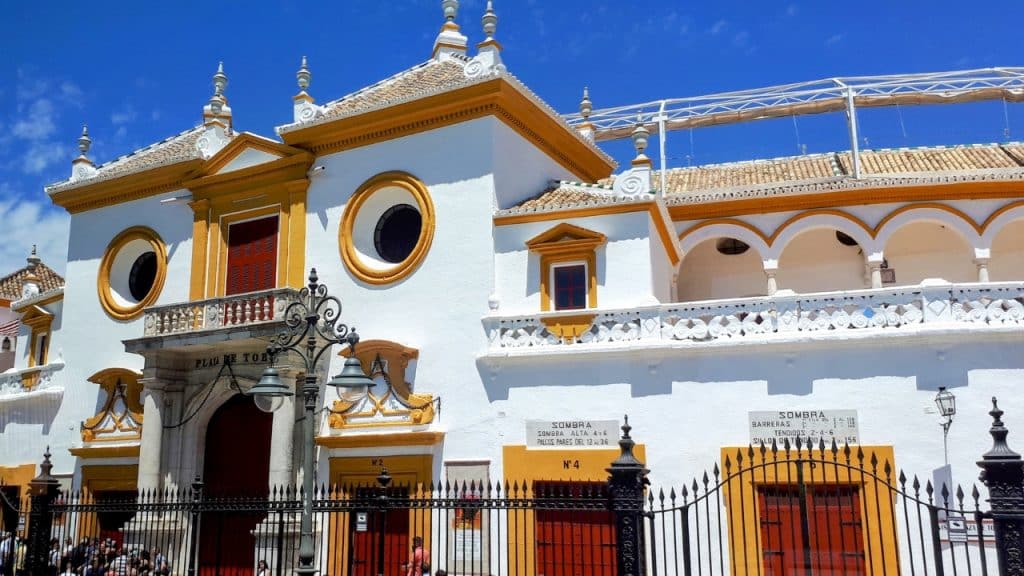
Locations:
{"points": [[252, 256]]}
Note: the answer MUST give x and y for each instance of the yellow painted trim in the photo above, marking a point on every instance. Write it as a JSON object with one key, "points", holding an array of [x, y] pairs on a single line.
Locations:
{"points": [[126, 188], [397, 356], [240, 144], [29, 379], [200, 248], [524, 466], [381, 440], [350, 256], [825, 211], [925, 205], [46, 301], [128, 451], [111, 306], [296, 265], [882, 195], [727, 222], [494, 97], [40, 321], [566, 243], [568, 327], [740, 496], [19, 475], [999, 212]]}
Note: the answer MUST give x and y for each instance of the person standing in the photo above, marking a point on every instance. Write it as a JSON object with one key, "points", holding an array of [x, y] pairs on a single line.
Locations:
{"points": [[419, 560]]}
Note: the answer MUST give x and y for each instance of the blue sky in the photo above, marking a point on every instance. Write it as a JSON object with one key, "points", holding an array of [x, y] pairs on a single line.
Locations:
{"points": [[138, 72]]}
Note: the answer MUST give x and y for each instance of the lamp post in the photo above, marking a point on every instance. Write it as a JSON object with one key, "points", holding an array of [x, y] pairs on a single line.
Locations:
{"points": [[946, 402], [311, 330]]}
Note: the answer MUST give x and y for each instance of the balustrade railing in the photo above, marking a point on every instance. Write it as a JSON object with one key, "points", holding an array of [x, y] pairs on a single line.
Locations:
{"points": [[211, 314], [903, 308], [29, 379]]}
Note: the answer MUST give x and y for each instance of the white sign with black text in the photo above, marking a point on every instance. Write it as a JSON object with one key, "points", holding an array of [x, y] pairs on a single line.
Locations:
{"points": [[815, 425], [572, 433]]}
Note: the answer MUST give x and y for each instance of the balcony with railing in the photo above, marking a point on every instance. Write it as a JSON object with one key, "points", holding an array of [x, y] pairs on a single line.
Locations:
{"points": [[252, 309], [932, 307]]}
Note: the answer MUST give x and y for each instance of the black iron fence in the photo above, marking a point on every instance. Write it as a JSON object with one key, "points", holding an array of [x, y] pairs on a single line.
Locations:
{"points": [[765, 510]]}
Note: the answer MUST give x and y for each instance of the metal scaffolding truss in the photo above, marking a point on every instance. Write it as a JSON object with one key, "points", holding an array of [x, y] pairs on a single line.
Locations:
{"points": [[803, 98]]}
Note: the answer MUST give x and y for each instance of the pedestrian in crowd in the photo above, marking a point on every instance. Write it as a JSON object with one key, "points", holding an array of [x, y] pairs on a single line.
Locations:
{"points": [[160, 565], [441, 572], [262, 569], [19, 558], [53, 562], [94, 568], [6, 553], [419, 560]]}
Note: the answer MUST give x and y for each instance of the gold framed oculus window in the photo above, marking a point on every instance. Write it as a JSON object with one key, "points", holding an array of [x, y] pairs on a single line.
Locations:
{"points": [[132, 272], [387, 228]]}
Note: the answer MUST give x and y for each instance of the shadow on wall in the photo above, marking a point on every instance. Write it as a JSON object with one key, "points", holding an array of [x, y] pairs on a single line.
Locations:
{"points": [[785, 371], [37, 411]]}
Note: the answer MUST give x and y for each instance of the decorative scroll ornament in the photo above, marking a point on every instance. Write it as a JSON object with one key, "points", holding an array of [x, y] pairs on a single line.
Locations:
{"points": [[121, 415], [384, 404]]}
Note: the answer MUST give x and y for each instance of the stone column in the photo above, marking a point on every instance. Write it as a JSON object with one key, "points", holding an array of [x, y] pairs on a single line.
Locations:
{"points": [[875, 266], [151, 444], [982, 264], [771, 268]]}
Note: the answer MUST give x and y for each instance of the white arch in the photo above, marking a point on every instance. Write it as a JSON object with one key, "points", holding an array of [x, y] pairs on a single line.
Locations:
{"points": [[999, 223], [834, 221], [724, 230], [925, 214]]}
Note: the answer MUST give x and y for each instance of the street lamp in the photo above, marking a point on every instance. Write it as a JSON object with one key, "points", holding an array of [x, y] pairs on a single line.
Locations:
{"points": [[946, 402], [311, 330]]}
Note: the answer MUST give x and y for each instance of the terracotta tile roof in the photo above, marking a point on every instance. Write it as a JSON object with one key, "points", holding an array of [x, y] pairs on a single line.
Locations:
{"points": [[179, 148], [10, 285], [738, 174], [427, 77], [916, 160], [564, 194]]}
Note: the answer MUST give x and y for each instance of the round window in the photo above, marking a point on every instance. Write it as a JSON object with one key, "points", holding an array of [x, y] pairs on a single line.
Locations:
{"points": [[845, 239], [142, 275], [397, 232]]}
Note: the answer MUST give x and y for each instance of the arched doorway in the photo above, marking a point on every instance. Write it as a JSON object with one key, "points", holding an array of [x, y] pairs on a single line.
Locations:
{"points": [[821, 259], [719, 268], [1007, 262], [930, 249], [236, 463]]}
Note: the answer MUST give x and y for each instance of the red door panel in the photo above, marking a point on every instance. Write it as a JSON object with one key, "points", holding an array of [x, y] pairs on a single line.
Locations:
{"points": [[364, 555], [252, 256], [577, 542]]}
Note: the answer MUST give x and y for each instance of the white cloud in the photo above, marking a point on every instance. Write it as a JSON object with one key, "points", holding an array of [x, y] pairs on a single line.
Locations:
{"points": [[40, 155], [27, 223], [718, 27], [792, 10], [834, 39], [38, 123], [124, 116], [741, 38]]}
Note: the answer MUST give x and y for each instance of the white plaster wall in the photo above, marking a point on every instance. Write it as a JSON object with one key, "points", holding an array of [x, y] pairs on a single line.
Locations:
{"points": [[89, 339], [246, 158], [815, 261], [624, 264], [705, 273], [520, 169], [1007, 256], [7, 358], [662, 270], [929, 249]]}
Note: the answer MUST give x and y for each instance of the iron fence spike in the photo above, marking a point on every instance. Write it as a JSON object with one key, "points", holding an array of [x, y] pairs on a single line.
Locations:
{"points": [[960, 495], [975, 494], [903, 479], [715, 471]]}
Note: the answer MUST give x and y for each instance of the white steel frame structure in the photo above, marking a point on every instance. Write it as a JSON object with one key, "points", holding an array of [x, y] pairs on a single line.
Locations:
{"points": [[805, 98]]}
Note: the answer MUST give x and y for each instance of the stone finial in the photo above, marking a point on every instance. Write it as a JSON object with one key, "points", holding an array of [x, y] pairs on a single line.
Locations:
{"points": [[217, 109], [489, 21], [449, 41], [303, 76], [82, 166], [640, 138], [1000, 449], [33, 258], [585, 128], [84, 142], [45, 479], [586, 106]]}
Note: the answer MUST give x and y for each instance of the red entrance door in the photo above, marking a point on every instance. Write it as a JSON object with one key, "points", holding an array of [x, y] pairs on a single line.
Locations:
{"points": [[236, 463], [252, 256], [576, 542], [835, 541], [377, 533]]}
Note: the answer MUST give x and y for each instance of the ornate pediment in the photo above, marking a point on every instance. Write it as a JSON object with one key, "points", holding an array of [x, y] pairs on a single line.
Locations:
{"points": [[120, 418], [391, 401]]}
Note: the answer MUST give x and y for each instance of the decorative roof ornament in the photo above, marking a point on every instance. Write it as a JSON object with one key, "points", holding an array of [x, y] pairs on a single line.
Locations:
{"points": [[304, 107], [640, 139], [488, 58], [33, 258], [490, 24], [449, 41], [586, 128], [82, 167], [31, 285], [217, 109]]}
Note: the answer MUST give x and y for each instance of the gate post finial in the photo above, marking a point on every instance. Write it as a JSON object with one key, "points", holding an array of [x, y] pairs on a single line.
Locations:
{"points": [[626, 480], [1003, 474], [44, 489]]}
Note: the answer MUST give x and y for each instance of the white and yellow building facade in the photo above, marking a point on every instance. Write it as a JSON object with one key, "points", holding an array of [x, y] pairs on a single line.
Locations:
{"points": [[496, 265]]}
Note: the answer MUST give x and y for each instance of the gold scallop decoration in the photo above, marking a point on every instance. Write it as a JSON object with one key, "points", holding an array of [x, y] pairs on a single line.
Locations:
{"points": [[132, 272], [377, 226]]}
